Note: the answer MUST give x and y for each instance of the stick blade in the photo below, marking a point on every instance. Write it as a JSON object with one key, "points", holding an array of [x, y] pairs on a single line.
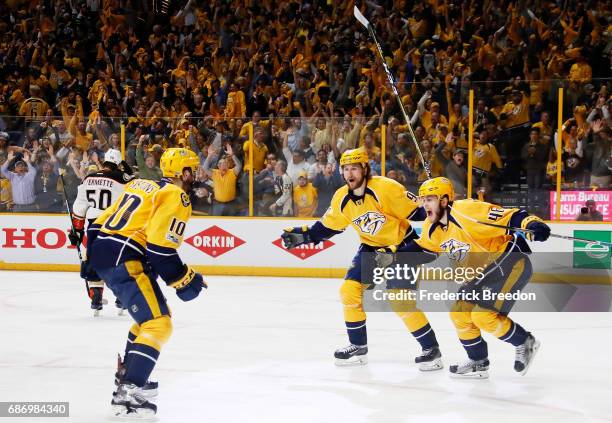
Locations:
{"points": [[359, 16]]}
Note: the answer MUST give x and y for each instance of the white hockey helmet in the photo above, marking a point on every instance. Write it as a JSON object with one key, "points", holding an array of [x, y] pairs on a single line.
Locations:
{"points": [[113, 156]]}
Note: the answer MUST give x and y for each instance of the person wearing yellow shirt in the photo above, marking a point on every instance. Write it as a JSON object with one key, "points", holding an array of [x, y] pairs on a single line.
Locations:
{"points": [[236, 103], [255, 122], [369, 146], [349, 132], [379, 210], [498, 257], [417, 24], [224, 181], [321, 133], [436, 120], [516, 112], [439, 134], [545, 128], [34, 107], [581, 71], [130, 245], [6, 195], [305, 198], [551, 168], [260, 150], [83, 139], [485, 155], [427, 119]]}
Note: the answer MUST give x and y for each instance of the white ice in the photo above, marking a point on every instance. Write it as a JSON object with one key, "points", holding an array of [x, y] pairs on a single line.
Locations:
{"points": [[260, 350]]}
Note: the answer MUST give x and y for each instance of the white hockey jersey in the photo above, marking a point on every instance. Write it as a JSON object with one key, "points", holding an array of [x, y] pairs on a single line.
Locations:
{"points": [[98, 191]]}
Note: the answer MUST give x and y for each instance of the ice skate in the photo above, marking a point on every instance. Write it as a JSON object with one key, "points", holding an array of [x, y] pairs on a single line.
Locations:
{"points": [[129, 402], [120, 308], [96, 301], [430, 359], [149, 390], [525, 354], [471, 369], [352, 355]]}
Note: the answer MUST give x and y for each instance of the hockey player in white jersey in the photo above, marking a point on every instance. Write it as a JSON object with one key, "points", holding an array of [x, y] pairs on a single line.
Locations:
{"points": [[97, 192]]}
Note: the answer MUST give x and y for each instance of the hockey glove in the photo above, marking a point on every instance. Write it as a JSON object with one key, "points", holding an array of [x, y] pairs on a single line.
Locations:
{"points": [[541, 231], [75, 236], [77, 231], [292, 237], [189, 286], [385, 256]]}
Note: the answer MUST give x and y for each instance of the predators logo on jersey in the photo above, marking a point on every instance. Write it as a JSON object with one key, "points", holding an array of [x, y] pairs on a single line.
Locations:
{"points": [[380, 216], [456, 250], [185, 199], [370, 222]]}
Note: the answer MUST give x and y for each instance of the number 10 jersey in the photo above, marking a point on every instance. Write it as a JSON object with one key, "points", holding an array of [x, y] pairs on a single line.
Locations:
{"points": [[146, 223]]}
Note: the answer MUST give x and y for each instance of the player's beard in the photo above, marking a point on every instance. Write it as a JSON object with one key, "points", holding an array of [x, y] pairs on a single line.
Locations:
{"points": [[355, 183], [435, 216], [187, 181]]}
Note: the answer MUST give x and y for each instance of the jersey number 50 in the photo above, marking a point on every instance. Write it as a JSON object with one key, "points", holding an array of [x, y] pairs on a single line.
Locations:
{"points": [[102, 202]]}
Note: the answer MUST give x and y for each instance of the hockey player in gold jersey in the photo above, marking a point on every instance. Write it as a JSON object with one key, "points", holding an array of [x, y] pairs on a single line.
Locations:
{"points": [[378, 208], [451, 228], [129, 245]]}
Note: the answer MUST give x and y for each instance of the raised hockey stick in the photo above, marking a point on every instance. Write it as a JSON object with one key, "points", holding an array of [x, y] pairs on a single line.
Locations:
{"points": [[363, 21], [515, 229]]}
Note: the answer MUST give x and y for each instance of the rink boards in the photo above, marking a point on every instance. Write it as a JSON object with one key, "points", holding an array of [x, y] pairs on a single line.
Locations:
{"points": [[252, 246]]}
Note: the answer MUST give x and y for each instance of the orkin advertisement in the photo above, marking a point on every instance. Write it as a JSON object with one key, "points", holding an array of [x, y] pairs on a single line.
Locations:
{"points": [[573, 201], [253, 246], [42, 239]]}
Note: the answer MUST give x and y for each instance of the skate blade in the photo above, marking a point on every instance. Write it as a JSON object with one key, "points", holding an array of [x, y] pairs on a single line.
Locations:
{"points": [[430, 366], [123, 412], [536, 347], [97, 313], [148, 393], [360, 360], [121, 312], [483, 374]]}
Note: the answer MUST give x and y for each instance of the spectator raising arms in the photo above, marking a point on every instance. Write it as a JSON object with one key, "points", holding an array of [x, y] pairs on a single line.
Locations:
{"points": [[21, 177], [224, 180]]}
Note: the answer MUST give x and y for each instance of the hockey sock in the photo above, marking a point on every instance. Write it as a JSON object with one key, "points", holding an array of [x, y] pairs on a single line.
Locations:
{"points": [[516, 335], [476, 348], [426, 337], [97, 292], [128, 347], [142, 359], [357, 332]]}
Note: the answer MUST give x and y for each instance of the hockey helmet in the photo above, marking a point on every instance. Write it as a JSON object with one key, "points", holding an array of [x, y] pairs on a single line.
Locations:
{"points": [[174, 160], [357, 155], [113, 156], [439, 187]]}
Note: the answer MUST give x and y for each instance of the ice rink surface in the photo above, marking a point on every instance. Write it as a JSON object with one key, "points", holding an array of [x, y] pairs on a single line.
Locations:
{"points": [[260, 350]]}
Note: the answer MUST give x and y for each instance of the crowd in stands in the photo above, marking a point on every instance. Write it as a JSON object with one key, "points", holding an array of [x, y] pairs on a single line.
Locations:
{"points": [[303, 79]]}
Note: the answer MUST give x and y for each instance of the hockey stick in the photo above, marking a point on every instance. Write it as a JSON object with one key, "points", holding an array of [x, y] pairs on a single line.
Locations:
{"points": [[70, 215], [515, 229], [363, 21], [78, 247]]}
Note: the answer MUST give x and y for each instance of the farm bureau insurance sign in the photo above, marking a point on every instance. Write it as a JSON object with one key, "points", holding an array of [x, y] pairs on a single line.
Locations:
{"points": [[573, 201]]}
